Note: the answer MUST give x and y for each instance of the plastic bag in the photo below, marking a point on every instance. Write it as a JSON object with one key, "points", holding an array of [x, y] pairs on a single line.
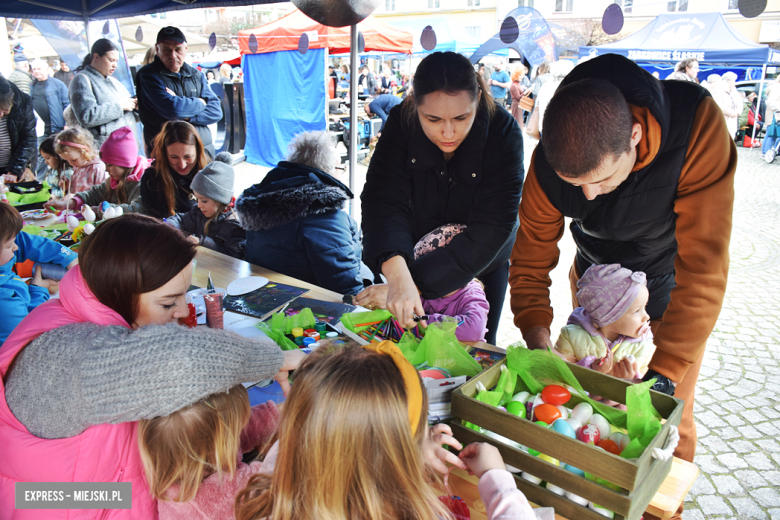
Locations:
{"points": [[278, 336], [285, 324], [440, 348]]}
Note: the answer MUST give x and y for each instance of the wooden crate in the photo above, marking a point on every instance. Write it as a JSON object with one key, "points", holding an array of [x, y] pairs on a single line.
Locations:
{"points": [[638, 479]]}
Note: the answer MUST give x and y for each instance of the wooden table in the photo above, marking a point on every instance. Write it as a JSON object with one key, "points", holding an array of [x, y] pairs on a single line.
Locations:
{"points": [[224, 269]]}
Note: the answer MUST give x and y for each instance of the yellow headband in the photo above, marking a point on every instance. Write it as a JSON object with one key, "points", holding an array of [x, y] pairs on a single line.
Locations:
{"points": [[411, 379]]}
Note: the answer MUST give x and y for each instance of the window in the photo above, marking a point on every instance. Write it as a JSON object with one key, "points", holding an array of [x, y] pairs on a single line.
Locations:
{"points": [[525, 3], [733, 4], [677, 6], [433, 4], [559, 5], [389, 5], [474, 3], [628, 6], [475, 31]]}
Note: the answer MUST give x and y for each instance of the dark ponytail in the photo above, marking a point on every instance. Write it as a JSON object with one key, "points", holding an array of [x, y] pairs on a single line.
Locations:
{"points": [[100, 47], [448, 72]]}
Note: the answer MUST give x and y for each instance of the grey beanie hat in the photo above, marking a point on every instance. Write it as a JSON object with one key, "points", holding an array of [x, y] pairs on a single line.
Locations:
{"points": [[215, 181]]}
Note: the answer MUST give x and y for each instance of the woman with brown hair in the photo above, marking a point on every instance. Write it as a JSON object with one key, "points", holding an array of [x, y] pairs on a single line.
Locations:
{"points": [[178, 155], [79, 371], [447, 155]]}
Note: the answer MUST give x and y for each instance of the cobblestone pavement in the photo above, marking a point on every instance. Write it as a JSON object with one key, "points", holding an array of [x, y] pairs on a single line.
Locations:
{"points": [[738, 396]]}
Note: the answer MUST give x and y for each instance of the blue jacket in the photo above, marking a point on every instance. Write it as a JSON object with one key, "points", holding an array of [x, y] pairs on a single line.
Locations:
{"points": [[381, 106], [156, 106], [57, 99], [295, 226], [17, 298]]}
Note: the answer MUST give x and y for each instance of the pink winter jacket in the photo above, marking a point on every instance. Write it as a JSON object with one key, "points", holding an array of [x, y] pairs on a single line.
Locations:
{"points": [[215, 500], [102, 453]]}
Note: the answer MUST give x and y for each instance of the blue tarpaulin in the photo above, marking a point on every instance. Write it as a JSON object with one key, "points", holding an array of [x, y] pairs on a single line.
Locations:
{"points": [[534, 41], [290, 86], [673, 37]]}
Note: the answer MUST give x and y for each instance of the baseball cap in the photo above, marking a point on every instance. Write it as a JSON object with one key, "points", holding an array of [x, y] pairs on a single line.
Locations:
{"points": [[171, 34]]}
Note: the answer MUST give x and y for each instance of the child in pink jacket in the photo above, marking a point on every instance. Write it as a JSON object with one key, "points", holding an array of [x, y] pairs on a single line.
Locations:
{"points": [[192, 457]]}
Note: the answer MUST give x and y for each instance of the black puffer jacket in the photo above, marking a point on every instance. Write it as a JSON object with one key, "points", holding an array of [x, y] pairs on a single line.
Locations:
{"points": [[21, 130], [295, 226], [410, 190]]}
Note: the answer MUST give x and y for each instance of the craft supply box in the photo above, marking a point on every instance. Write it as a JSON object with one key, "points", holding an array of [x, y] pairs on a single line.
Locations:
{"points": [[638, 479]]}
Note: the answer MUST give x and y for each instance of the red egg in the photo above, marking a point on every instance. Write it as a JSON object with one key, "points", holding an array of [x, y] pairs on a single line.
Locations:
{"points": [[547, 413], [555, 395], [589, 434], [609, 445]]}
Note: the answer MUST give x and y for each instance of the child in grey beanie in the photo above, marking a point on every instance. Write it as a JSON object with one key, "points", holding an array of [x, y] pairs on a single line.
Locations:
{"points": [[212, 223]]}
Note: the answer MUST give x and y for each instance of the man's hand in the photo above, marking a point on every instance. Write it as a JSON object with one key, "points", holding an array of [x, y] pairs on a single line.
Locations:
{"points": [[9, 178], [169, 91], [202, 101], [195, 240], [373, 296], [538, 338]]}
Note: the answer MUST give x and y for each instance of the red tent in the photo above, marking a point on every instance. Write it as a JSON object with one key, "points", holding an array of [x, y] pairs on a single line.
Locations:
{"points": [[285, 33]]}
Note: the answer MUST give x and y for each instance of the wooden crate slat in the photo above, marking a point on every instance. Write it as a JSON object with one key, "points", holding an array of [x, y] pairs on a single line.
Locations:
{"points": [[578, 485], [650, 484], [562, 505]]}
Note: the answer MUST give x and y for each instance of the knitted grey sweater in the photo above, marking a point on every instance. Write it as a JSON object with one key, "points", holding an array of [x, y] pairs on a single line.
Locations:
{"points": [[84, 374]]}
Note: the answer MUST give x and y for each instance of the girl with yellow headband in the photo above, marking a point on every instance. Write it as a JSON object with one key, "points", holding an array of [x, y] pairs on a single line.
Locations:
{"points": [[353, 442]]}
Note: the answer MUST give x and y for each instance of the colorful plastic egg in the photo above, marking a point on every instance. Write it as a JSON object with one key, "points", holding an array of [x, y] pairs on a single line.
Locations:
{"points": [[89, 215], [600, 422], [555, 395], [575, 425], [530, 478], [512, 469], [582, 412], [564, 411], [104, 205], [555, 489], [118, 211], [600, 510], [551, 460], [108, 214], [609, 446], [576, 499], [547, 413], [563, 427], [73, 223], [521, 397], [589, 434], [516, 408], [621, 439], [576, 471], [89, 229]]}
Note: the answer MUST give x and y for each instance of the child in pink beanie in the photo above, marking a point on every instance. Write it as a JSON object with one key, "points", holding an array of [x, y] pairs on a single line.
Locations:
{"points": [[610, 332], [122, 187]]}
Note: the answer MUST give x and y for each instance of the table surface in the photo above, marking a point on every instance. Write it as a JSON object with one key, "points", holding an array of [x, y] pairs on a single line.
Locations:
{"points": [[224, 269]]}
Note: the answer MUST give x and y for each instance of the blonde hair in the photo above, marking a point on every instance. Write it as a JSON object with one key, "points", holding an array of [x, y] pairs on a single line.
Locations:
{"points": [[80, 136], [189, 445], [345, 447], [225, 70], [221, 208]]}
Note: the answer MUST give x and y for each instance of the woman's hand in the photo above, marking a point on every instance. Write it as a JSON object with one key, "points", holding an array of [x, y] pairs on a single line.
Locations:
{"points": [[437, 456], [373, 296], [481, 457], [292, 358], [128, 104], [195, 240], [403, 300]]}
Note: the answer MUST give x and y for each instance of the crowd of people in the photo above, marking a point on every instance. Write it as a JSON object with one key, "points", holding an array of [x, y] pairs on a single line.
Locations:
{"points": [[444, 230]]}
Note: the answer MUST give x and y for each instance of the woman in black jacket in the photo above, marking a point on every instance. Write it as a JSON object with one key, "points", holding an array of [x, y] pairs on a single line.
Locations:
{"points": [[448, 154], [18, 137]]}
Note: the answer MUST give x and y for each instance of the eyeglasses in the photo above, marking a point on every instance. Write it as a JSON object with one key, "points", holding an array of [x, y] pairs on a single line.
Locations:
{"points": [[340, 168]]}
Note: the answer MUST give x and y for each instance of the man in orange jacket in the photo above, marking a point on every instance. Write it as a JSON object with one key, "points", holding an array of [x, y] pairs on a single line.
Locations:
{"points": [[645, 170]]}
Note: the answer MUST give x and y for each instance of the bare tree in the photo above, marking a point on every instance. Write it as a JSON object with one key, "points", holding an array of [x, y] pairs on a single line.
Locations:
{"points": [[585, 31]]}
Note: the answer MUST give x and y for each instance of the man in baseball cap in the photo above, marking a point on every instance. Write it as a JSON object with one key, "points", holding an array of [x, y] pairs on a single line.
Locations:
{"points": [[169, 89]]}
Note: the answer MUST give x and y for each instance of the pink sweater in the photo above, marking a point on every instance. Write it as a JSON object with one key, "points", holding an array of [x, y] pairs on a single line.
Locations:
{"points": [[84, 177], [215, 500]]}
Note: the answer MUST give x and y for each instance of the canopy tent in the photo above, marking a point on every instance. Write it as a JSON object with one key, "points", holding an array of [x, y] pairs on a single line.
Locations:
{"points": [[215, 59], [676, 36], [285, 33], [285, 89], [534, 41], [106, 9]]}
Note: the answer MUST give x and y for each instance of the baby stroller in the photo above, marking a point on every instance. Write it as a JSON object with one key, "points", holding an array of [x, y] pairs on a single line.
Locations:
{"points": [[770, 154], [772, 132]]}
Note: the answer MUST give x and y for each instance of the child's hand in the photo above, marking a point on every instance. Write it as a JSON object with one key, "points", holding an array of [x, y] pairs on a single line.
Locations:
{"points": [[292, 358], [435, 455], [605, 364], [373, 297], [52, 285], [481, 457], [195, 240], [57, 205], [625, 369]]}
